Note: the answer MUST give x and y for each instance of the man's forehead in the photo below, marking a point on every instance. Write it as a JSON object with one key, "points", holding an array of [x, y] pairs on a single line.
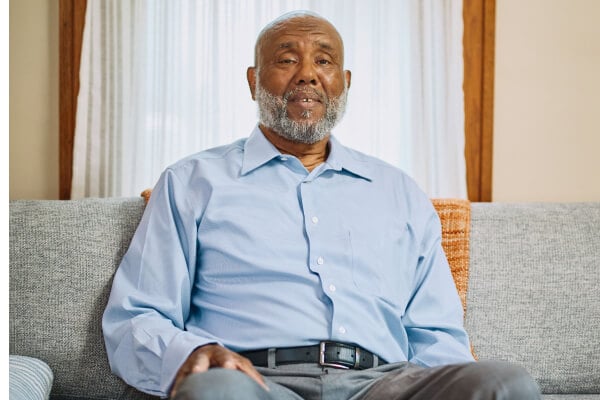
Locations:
{"points": [[308, 20], [288, 33]]}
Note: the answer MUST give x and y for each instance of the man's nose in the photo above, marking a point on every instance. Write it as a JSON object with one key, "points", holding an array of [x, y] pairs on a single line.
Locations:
{"points": [[306, 75]]}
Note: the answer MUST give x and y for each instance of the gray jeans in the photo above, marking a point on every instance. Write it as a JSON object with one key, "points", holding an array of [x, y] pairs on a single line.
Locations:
{"points": [[481, 380]]}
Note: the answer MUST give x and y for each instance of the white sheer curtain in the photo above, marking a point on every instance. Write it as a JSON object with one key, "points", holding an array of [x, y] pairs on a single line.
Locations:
{"points": [[164, 79]]}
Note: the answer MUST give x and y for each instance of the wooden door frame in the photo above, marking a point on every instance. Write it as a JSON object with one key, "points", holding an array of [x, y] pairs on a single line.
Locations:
{"points": [[479, 26], [478, 85], [71, 22]]}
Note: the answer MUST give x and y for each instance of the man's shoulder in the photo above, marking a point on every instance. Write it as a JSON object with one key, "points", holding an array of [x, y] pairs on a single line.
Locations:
{"points": [[210, 156], [376, 165], [387, 175]]}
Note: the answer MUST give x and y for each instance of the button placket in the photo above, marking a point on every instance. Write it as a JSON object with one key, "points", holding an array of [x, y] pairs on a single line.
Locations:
{"points": [[310, 223]]}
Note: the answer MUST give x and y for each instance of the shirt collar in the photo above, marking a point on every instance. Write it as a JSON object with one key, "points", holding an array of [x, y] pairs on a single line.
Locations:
{"points": [[259, 151], [343, 158]]}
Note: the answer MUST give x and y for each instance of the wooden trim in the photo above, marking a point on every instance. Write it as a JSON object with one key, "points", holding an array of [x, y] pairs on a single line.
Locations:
{"points": [[71, 22], [478, 52]]}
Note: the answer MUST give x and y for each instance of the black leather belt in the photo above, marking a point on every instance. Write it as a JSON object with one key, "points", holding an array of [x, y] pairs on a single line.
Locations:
{"points": [[327, 354]]}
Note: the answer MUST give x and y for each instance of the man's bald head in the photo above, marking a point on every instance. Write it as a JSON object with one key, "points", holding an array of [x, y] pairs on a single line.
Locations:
{"points": [[279, 24]]}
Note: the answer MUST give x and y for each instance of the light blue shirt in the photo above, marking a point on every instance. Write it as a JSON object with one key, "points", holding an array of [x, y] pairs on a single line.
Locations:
{"points": [[240, 245]]}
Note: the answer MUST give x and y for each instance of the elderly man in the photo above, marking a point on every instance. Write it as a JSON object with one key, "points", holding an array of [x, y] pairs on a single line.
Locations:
{"points": [[287, 266]]}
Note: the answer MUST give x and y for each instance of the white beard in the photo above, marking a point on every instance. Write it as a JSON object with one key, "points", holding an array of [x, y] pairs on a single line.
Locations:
{"points": [[272, 111]]}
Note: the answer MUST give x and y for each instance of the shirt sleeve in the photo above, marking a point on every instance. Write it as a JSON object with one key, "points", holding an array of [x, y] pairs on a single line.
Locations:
{"points": [[144, 321], [433, 318]]}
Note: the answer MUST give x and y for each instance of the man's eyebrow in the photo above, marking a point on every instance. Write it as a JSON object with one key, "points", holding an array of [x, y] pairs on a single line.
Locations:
{"points": [[287, 45], [323, 45]]}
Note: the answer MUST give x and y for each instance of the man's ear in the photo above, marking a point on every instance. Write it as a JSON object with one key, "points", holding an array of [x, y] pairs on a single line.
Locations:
{"points": [[348, 76], [251, 76]]}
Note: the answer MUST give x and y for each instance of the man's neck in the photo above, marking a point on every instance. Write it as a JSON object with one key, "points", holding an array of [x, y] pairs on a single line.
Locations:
{"points": [[310, 155]]}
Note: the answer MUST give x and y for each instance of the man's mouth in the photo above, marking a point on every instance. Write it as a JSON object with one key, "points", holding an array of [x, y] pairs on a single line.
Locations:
{"points": [[304, 97]]}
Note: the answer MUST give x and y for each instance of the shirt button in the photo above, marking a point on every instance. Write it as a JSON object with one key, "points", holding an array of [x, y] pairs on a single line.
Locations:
{"points": [[342, 330], [320, 261], [314, 220], [332, 288], [283, 158]]}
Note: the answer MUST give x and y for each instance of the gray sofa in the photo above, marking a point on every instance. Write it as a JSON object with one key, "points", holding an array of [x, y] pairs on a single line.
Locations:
{"points": [[533, 295]]}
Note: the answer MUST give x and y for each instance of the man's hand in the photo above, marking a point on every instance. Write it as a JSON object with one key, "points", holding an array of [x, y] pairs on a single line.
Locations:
{"points": [[213, 355]]}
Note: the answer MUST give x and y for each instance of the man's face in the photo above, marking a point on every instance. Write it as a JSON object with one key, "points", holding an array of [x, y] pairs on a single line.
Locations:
{"points": [[299, 81]]}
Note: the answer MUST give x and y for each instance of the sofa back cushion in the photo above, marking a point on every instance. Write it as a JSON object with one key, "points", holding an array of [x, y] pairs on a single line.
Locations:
{"points": [[63, 255], [534, 295]]}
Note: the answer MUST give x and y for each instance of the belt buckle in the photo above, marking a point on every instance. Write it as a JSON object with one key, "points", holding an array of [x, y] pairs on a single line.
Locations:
{"points": [[325, 363]]}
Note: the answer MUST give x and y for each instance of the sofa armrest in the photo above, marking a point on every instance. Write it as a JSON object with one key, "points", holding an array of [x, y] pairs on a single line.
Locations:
{"points": [[29, 378]]}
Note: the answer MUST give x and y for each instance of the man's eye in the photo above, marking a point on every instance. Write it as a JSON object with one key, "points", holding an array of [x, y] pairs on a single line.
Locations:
{"points": [[287, 61], [323, 62]]}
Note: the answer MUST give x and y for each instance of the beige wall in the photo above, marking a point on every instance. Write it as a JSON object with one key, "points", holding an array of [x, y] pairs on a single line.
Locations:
{"points": [[547, 101], [33, 99], [547, 106]]}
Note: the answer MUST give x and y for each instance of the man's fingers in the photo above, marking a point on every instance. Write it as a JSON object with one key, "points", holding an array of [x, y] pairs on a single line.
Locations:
{"points": [[202, 364], [249, 370], [212, 356], [196, 365], [245, 366], [176, 384]]}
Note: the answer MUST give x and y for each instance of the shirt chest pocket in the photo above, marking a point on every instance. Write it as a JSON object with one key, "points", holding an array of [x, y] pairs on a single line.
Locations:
{"points": [[383, 263]]}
